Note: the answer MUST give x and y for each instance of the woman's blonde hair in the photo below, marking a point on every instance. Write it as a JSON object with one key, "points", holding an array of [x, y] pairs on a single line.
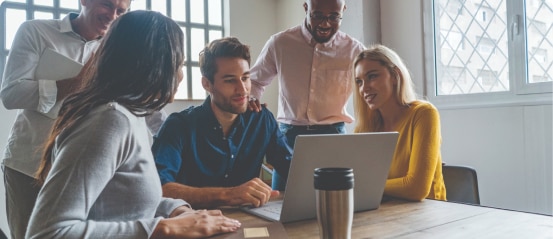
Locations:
{"points": [[368, 120]]}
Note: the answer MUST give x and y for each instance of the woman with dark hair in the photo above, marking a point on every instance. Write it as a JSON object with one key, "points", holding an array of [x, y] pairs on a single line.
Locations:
{"points": [[98, 174]]}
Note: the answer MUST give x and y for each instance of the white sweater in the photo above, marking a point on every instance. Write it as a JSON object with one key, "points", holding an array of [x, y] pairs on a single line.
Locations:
{"points": [[103, 182]]}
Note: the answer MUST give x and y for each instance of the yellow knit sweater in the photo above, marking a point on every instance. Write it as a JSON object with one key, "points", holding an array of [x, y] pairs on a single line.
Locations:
{"points": [[416, 169]]}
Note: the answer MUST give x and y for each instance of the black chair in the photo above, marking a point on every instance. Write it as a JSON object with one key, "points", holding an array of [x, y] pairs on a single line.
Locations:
{"points": [[2, 235], [461, 184]]}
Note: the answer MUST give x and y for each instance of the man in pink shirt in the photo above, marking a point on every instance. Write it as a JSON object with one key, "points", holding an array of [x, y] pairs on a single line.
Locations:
{"points": [[313, 63]]}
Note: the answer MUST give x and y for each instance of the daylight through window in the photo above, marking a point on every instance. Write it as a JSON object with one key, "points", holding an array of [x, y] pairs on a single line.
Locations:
{"points": [[200, 20]]}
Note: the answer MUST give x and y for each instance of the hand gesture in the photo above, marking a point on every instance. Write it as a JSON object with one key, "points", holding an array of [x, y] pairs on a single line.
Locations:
{"points": [[255, 105]]}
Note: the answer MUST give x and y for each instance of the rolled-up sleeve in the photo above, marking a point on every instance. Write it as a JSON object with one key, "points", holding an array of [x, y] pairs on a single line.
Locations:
{"points": [[167, 149], [264, 70]]}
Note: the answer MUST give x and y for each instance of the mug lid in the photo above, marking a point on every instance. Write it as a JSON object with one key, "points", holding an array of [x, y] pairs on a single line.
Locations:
{"points": [[333, 178]]}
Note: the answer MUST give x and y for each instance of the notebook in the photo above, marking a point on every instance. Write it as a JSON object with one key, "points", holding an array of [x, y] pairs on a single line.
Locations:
{"points": [[368, 154], [256, 229], [55, 66]]}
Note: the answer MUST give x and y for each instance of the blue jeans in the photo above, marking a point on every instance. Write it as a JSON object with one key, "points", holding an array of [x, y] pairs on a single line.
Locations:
{"points": [[291, 131]]}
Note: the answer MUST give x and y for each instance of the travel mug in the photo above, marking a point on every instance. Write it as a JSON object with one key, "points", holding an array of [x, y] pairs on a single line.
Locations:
{"points": [[334, 202]]}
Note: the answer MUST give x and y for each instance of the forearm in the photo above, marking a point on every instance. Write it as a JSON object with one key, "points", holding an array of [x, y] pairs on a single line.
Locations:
{"points": [[22, 95], [417, 157], [417, 182], [406, 188], [257, 89], [197, 197]]}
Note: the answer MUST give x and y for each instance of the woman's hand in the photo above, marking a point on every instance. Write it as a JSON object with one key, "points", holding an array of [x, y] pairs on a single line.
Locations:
{"points": [[195, 224], [181, 210]]}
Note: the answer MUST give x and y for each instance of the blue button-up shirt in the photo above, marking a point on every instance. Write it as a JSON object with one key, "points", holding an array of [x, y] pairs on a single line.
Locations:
{"points": [[190, 148]]}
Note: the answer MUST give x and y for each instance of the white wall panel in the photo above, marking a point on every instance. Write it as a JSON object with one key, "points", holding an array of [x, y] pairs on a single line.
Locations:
{"points": [[538, 157]]}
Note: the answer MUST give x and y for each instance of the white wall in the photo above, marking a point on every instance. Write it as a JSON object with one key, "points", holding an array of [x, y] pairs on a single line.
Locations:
{"points": [[510, 146]]}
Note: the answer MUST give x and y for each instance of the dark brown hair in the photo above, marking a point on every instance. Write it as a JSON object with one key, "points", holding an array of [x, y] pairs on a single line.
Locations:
{"points": [[136, 66], [224, 47]]}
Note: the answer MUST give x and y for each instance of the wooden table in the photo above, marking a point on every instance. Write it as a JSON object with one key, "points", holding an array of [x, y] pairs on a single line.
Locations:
{"points": [[428, 219]]}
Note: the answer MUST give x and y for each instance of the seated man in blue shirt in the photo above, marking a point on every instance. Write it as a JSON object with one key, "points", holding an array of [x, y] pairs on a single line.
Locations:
{"points": [[211, 155]]}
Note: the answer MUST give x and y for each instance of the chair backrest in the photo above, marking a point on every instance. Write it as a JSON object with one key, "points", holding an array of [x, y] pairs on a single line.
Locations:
{"points": [[2, 235], [461, 184]]}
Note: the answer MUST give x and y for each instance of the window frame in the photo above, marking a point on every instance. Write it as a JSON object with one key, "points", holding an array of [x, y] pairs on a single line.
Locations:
{"points": [[520, 92], [30, 9], [187, 26]]}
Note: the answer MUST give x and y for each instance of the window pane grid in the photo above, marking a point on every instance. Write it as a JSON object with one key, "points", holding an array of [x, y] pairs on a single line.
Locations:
{"points": [[205, 25], [539, 20], [502, 47], [473, 37]]}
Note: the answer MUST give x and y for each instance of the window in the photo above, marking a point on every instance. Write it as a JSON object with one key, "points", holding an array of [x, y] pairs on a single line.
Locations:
{"points": [[485, 46], [455, 40], [537, 27], [455, 6], [200, 20], [501, 55], [539, 55], [486, 12], [487, 78], [453, 80]]}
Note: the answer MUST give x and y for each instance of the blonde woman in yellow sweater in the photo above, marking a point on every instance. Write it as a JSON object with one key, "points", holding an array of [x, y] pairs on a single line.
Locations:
{"points": [[385, 100]]}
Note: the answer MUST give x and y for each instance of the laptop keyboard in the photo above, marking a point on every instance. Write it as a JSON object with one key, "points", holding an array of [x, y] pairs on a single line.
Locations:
{"points": [[271, 210]]}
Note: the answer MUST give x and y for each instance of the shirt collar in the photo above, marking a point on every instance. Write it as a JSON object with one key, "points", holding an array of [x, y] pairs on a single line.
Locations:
{"points": [[311, 41], [65, 25], [213, 120]]}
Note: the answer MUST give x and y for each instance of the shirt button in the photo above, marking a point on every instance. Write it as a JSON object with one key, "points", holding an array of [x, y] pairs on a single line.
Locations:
{"points": [[226, 175], [232, 156]]}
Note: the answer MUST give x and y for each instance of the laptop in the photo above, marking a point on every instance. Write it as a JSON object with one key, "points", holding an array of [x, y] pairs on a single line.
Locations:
{"points": [[368, 154]]}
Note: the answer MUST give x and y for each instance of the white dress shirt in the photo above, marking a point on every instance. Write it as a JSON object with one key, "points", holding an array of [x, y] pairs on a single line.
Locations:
{"points": [[316, 79], [35, 99]]}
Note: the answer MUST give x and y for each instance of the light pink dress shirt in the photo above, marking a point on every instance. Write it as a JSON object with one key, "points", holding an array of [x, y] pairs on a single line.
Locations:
{"points": [[315, 78]]}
